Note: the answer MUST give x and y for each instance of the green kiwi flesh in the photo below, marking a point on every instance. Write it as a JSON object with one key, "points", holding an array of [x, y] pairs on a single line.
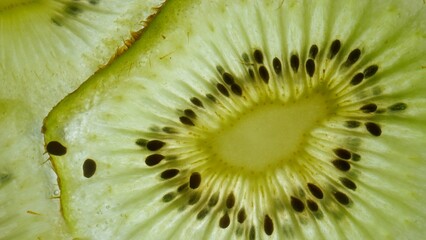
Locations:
{"points": [[252, 120], [48, 48]]}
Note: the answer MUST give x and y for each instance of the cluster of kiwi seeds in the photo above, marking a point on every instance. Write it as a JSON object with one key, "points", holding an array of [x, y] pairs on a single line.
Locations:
{"points": [[199, 181]]}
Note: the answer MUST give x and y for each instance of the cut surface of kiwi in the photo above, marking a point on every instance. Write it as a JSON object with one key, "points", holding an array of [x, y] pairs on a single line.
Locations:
{"points": [[47, 48], [252, 120]]}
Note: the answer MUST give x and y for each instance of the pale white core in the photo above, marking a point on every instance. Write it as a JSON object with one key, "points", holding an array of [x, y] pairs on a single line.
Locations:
{"points": [[268, 134]]}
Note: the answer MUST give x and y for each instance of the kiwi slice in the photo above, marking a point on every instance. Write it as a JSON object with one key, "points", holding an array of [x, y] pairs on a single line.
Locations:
{"points": [[48, 47], [252, 120]]}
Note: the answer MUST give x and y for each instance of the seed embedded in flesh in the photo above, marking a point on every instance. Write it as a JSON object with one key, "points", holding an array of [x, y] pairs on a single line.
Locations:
{"points": [[276, 63], [236, 89], [197, 102], [342, 165], [222, 89], [258, 56], [264, 74], [294, 62], [56, 148], [228, 78], [348, 183], [315, 190], [369, 108], [313, 51], [155, 145], [310, 67], [224, 221], [352, 124], [169, 197], [398, 107], [195, 180], [297, 204], [268, 225], [89, 168], [353, 57], [154, 159], [357, 79], [341, 198], [342, 153], [241, 216], [169, 173], [373, 128], [202, 214], [334, 48], [230, 201], [187, 121], [313, 206], [370, 71], [214, 199]]}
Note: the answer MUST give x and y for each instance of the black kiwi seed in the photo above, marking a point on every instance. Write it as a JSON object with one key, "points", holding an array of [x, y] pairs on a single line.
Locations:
{"points": [[187, 121], [195, 180], [155, 145], [348, 183], [342, 165], [214, 199], [241, 216], [56, 148], [313, 206], [373, 128], [398, 107], [310, 67], [169, 173], [342, 153], [153, 159], [169, 197], [228, 78], [334, 48], [224, 221], [353, 57], [357, 79], [190, 113], [258, 56], [370, 71], [369, 108], [352, 124], [276, 63], [294, 62], [264, 74], [315, 190], [297, 204], [89, 168], [222, 89], [236, 89], [230, 201], [268, 225], [341, 198], [197, 102], [202, 214], [313, 51]]}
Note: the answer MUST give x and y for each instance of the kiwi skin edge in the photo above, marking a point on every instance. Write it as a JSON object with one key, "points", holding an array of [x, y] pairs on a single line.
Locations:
{"points": [[183, 132]]}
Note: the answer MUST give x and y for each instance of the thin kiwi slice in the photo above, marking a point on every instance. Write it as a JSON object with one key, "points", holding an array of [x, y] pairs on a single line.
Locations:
{"points": [[47, 48], [252, 120]]}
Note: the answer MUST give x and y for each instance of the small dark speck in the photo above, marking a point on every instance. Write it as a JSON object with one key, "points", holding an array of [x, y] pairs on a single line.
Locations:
{"points": [[294, 62], [169, 173], [398, 107], [73, 9], [89, 168], [313, 206], [334, 48], [197, 102], [94, 2], [356, 157], [370, 71], [268, 225], [154, 159], [236, 89], [297, 204], [373, 128], [56, 148], [310, 67], [170, 130], [187, 121], [214, 199], [241, 217], [228, 78], [341, 198], [194, 198], [222, 89], [169, 197], [202, 214], [342, 153], [353, 57], [211, 97], [342, 165], [313, 51], [357, 79], [141, 142], [348, 183], [258, 56], [230, 201], [195, 180], [182, 187], [224, 221], [369, 108], [315, 190], [190, 113], [155, 145], [264, 74], [352, 124], [276, 63]]}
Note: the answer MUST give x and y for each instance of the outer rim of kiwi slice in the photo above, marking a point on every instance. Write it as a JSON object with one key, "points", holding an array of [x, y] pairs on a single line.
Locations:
{"points": [[351, 159]]}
